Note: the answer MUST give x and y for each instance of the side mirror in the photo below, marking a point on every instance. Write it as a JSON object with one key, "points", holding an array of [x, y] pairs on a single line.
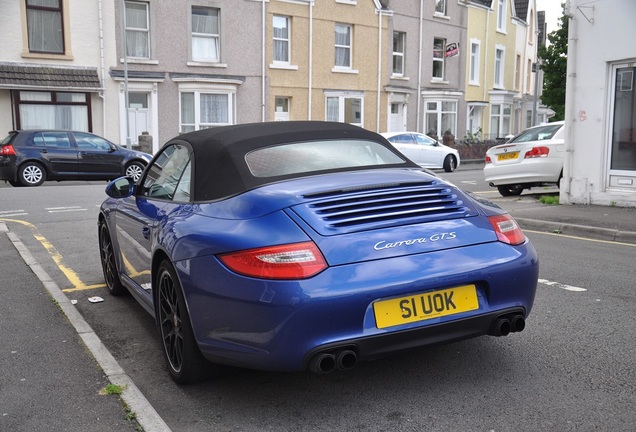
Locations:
{"points": [[123, 187]]}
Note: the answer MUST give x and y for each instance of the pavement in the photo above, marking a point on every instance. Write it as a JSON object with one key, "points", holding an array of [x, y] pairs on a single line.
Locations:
{"points": [[53, 369]]}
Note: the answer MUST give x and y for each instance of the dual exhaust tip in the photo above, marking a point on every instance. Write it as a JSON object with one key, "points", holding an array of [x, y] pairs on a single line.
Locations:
{"points": [[326, 362], [507, 324]]}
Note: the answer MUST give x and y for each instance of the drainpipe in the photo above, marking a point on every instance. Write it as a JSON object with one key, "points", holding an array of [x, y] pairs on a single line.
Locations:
{"points": [[570, 91], [311, 56], [419, 71], [263, 62], [102, 92], [377, 111]]}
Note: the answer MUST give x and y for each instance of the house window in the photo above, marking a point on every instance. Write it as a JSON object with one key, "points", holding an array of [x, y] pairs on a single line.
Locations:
{"points": [[281, 109], [201, 110], [440, 7], [501, 15], [44, 26], [343, 46], [474, 62], [52, 110], [205, 34], [439, 50], [529, 77], [281, 39], [345, 109], [499, 67], [518, 72], [623, 138], [500, 120], [441, 116], [398, 53], [137, 30]]}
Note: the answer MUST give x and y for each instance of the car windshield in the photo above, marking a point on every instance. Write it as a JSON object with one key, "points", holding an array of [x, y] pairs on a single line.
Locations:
{"points": [[537, 133], [302, 157], [8, 138]]}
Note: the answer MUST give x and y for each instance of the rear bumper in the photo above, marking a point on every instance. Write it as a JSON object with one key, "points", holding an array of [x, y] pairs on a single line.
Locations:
{"points": [[280, 325], [7, 172], [529, 171]]}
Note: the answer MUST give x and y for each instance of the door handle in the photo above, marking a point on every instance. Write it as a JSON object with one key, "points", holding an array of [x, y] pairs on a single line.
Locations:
{"points": [[145, 231], [44, 151]]}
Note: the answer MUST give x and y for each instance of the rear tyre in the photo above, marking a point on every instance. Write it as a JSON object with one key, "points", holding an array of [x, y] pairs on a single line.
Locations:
{"points": [[184, 360], [510, 190], [109, 267], [450, 163], [134, 170], [31, 174]]}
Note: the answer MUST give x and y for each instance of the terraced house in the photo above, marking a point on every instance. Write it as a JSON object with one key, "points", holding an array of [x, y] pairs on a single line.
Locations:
{"points": [[123, 68]]}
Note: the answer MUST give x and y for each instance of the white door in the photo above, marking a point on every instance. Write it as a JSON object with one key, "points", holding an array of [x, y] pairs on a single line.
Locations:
{"points": [[397, 120], [137, 115]]}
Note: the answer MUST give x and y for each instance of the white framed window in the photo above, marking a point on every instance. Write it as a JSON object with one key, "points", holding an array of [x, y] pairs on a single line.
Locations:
{"points": [[281, 108], [440, 7], [475, 53], [205, 34], [500, 120], [439, 57], [345, 108], [343, 45], [45, 29], [137, 30], [474, 119], [518, 73], [500, 60], [281, 26], [205, 108], [529, 71], [399, 43], [501, 16], [440, 117]]}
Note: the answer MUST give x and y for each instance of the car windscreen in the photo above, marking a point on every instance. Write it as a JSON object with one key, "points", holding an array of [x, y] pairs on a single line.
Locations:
{"points": [[309, 156], [8, 138], [537, 133]]}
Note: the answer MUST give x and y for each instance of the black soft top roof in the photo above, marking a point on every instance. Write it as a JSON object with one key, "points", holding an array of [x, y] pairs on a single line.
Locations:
{"points": [[220, 169]]}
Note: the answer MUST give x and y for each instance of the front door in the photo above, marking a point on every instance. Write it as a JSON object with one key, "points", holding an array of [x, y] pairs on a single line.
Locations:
{"points": [[137, 115]]}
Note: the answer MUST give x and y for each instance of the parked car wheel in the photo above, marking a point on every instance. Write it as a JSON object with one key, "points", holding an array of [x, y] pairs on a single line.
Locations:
{"points": [[510, 190], [107, 255], [134, 170], [450, 163], [185, 362], [31, 174]]}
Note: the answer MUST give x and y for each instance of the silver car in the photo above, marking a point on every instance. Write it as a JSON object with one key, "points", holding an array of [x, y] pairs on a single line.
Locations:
{"points": [[424, 150], [532, 158]]}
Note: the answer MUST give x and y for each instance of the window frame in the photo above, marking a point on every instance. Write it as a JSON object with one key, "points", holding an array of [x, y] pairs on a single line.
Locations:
{"points": [[501, 16], [216, 37], [474, 65], [343, 100], [54, 10], [348, 48], [284, 40], [501, 117], [441, 12], [499, 67], [146, 30], [399, 55], [198, 124], [441, 115], [55, 99], [439, 60]]}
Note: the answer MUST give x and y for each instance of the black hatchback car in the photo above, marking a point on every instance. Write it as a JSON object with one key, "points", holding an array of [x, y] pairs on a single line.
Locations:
{"points": [[29, 157]]}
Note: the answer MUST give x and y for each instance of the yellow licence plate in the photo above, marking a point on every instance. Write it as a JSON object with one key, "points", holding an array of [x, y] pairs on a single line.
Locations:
{"points": [[425, 306], [508, 156]]}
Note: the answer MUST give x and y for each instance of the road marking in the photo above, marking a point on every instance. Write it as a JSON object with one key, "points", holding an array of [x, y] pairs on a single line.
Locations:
{"points": [[70, 274], [560, 285], [470, 182], [11, 213], [64, 209], [616, 243]]}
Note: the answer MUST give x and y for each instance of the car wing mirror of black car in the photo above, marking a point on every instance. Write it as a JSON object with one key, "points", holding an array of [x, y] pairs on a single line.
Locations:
{"points": [[122, 187]]}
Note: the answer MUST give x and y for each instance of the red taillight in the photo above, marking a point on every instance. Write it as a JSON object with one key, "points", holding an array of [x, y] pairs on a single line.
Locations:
{"points": [[507, 229], [7, 150], [488, 160], [292, 261], [537, 152]]}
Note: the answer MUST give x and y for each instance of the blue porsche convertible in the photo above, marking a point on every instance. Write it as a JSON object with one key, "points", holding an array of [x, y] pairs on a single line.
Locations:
{"points": [[291, 246]]}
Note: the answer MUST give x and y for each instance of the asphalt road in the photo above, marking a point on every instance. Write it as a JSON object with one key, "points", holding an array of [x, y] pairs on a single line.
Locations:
{"points": [[573, 368]]}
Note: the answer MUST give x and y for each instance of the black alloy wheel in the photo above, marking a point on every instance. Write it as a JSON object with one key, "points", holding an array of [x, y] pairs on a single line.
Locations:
{"points": [[109, 267], [510, 190], [184, 360]]}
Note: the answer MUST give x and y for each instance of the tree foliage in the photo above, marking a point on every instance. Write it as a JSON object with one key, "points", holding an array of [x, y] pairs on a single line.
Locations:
{"points": [[554, 57]]}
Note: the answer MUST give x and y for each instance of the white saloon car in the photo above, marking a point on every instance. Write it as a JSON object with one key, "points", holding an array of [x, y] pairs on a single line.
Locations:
{"points": [[424, 150], [532, 158]]}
